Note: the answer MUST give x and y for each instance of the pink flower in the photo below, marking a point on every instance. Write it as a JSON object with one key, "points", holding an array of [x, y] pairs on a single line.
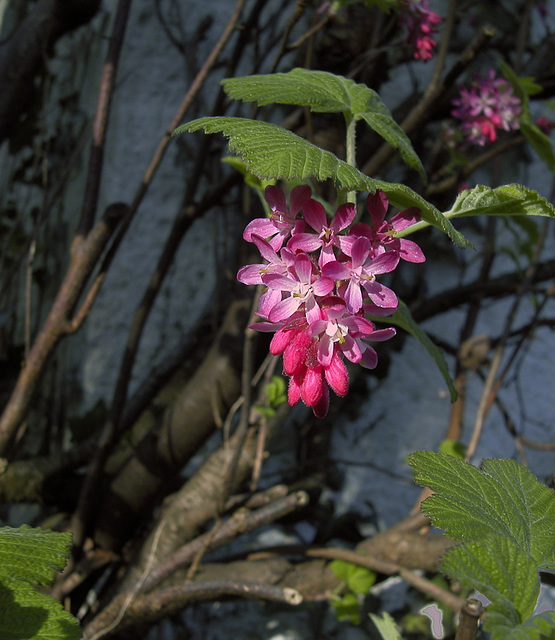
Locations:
{"points": [[283, 219], [327, 234], [421, 24], [485, 107], [382, 233], [359, 275], [318, 287], [308, 377], [302, 285], [339, 331]]}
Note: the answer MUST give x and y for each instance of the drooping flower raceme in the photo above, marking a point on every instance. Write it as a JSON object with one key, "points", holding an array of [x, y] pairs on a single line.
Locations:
{"points": [[320, 279], [485, 107], [421, 24]]}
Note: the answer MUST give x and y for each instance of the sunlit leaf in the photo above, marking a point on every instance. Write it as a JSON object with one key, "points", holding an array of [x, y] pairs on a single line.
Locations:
{"points": [[30, 557], [324, 92], [271, 152]]}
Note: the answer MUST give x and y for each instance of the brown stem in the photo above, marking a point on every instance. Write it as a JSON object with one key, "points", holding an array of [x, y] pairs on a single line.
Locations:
{"points": [[149, 608], [390, 568], [85, 252], [100, 122], [180, 114], [468, 619], [241, 522]]}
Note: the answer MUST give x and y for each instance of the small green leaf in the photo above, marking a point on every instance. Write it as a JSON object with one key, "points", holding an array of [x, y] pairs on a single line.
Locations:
{"points": [[508, 200], [347, 608], [271, 152], [453, 448], [359, 579], [386, 626], [403, 318], [325, 92], [275, 392]]}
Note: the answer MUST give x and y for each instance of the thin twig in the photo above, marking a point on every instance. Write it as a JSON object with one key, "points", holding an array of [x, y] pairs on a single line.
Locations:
{"points": [[100, 123], [493, 383], [84, 255], [435, 89], [241, 522], [390, 568]]}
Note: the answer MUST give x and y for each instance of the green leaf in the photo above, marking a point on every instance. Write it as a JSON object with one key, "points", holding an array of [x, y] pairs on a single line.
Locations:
{"points": [[505, 574], [523, 88], [539, 142], [502, 498], [359, 579], [453, 448], [347, 608], [32, 554], [271, 152], [324, 92], [30, 557], [508, 200], [276, 392], [386, 626], [506, 519], [540, 627], [403, 318]]}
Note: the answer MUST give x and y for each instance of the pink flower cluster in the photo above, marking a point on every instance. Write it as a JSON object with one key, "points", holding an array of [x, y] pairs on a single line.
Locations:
{"points": [[421, 24], [320, 279], [486, 106]]}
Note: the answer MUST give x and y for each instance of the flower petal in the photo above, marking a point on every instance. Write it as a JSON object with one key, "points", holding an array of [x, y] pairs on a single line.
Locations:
{"points": [[299, 197], [337, 376], [405, 218], [304, 242], [275, 198], [284, 309], [377, 204], [335, 270], [343, 217], [410, 251], [360, 251], [262, 227], [315, 214], [379, 294]]}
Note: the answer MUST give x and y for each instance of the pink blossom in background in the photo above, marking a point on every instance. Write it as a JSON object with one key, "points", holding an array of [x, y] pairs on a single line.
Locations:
{"points": [[321, 278], [422, 25], [485, 107]]}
